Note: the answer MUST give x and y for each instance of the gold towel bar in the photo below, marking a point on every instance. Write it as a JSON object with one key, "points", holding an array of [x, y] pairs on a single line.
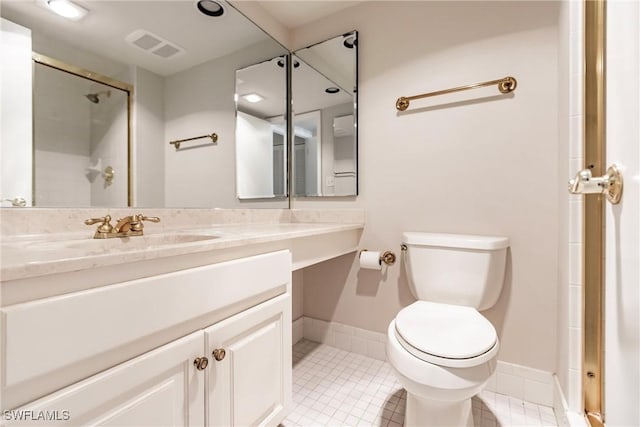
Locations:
{"points": [[505, 85], [177, 142]]}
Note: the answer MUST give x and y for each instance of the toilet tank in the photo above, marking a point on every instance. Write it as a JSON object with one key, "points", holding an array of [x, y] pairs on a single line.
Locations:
{"points": [[454, 268]]}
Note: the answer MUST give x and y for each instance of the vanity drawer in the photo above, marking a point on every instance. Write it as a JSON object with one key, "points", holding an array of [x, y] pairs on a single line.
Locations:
{"points": [[54, 341]]}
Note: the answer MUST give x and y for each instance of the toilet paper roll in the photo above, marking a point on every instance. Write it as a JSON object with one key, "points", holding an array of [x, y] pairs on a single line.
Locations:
{"points": [[370, 260]]}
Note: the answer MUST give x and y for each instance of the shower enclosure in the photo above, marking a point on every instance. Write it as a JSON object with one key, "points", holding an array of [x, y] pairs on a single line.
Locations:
{"points": [[80, 137]]}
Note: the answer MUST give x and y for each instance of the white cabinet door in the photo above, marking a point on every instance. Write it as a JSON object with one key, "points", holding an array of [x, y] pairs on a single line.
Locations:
{"points": [[159, 388], [251, 385]]}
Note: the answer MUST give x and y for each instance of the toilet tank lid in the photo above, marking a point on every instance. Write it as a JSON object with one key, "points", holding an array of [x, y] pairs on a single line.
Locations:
{"points": [[466, 241]]}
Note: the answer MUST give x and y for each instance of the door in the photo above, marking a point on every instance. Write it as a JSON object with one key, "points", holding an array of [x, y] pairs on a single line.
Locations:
{"points": [[250, 370], [159, 388], [622, 253]]}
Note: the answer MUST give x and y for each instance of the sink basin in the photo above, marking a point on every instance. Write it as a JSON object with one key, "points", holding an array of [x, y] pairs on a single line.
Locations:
{"points": [[74, 247], [139, 242]]}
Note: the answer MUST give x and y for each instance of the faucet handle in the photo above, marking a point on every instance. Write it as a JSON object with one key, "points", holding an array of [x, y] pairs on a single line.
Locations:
{"points": [[136, 223], [148, 218], [105, 227]]}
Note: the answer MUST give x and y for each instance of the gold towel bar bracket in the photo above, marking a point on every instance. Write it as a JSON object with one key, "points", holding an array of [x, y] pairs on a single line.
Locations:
{"points": [[177, 142], [505, 85]]}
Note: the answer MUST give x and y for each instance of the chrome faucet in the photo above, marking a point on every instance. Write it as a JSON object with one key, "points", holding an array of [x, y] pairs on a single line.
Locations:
{"points": [[610, 184], [128, 226]]}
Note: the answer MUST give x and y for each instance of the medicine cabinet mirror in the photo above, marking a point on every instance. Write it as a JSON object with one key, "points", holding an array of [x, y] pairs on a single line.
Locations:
{"points": [[325, 118]]}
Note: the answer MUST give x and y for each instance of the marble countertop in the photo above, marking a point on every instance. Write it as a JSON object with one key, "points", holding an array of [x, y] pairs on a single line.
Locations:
{"points": [[26, 256]]}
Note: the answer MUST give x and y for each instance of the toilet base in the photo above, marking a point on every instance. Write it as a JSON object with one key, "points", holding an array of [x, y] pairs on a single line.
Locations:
{"points": [[432, 413]]}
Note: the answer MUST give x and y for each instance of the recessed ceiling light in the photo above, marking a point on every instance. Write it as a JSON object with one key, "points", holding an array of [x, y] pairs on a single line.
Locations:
{"points": [[210, 7], [332, 89], [252, 97], [67, 9]]}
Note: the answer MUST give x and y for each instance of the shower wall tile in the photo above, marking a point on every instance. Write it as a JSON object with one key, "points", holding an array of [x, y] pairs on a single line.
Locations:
{"points": [[575, 221], [575, 261], [575, 306], [573, 391], [576, 133], [575, 348]]}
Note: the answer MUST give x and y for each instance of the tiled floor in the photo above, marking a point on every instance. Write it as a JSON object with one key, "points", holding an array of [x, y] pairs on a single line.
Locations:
{"points": [[333, 387]]}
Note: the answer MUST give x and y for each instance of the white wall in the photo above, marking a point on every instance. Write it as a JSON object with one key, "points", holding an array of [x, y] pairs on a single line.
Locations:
{"points": [[15, 89], [149, 139], [475, 162]]}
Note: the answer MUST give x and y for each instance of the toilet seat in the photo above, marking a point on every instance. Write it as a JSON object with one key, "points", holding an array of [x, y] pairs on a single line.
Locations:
{"points": [[445, 334]]}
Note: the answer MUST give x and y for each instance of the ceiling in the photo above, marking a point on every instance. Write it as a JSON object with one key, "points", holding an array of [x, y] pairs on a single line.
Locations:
{"points": [[294, 13], [108, 23], [105, 29]]}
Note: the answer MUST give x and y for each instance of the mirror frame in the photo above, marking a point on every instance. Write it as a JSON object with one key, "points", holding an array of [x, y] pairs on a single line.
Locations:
{"points": [[98, 78]]}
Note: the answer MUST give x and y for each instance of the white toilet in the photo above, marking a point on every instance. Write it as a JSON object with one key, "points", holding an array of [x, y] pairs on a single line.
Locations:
{"points": [[442, 349]]}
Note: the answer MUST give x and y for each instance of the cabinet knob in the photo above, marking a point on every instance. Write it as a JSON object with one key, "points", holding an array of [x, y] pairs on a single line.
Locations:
{"points": [[219, 354], [201, 363]]}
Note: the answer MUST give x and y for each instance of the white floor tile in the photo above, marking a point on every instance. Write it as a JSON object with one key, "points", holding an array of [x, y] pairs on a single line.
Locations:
{"points": [[334, 387]]}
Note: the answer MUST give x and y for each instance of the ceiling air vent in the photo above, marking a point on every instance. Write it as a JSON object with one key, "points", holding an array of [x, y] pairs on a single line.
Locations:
{"points": [[152, 43]]}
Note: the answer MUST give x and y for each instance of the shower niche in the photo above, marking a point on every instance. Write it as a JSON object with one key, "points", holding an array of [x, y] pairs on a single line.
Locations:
{"points": [[80, 139]]}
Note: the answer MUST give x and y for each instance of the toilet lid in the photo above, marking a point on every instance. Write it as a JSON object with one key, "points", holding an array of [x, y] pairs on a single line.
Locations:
{"points": [[444, 330]]}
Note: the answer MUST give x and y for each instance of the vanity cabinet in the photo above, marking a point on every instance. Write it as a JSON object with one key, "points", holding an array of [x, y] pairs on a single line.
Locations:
{"points": [[161, 387], [250, 383], [128, 353]]}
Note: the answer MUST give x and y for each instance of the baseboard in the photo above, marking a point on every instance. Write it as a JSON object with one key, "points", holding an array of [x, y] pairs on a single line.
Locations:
{"points": [[297, 330], [564, 416], [349, 338], [522, 382]]}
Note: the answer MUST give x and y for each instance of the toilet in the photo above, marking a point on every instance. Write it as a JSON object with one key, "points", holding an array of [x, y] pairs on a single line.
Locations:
{"points": [[441, 348]]}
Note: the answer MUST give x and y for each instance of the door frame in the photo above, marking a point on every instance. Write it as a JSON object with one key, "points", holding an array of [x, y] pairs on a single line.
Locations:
{"points": [[593, 214]]}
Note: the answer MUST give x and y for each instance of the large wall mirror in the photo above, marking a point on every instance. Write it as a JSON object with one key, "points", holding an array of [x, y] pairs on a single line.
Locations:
{"points": [[325, 117], [261, 131], [85, 142]]}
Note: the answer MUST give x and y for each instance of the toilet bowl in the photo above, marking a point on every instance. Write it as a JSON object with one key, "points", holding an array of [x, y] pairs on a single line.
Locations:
{"points": [[441, 348]]}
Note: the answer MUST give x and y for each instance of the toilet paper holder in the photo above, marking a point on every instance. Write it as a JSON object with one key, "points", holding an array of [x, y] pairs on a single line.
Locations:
{"points": [[387, 257]]}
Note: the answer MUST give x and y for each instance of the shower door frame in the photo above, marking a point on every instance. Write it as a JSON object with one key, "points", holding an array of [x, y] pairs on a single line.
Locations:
{"points": [[98, 78], [593, 214]]}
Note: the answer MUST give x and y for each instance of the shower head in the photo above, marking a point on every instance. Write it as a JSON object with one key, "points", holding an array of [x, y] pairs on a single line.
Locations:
{"points": [[95, 97]]}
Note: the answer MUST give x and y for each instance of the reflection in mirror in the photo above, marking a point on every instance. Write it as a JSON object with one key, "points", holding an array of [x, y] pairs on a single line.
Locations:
{"points": [[324, 99], [181, 65], [80, 137], [261, 154]]}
